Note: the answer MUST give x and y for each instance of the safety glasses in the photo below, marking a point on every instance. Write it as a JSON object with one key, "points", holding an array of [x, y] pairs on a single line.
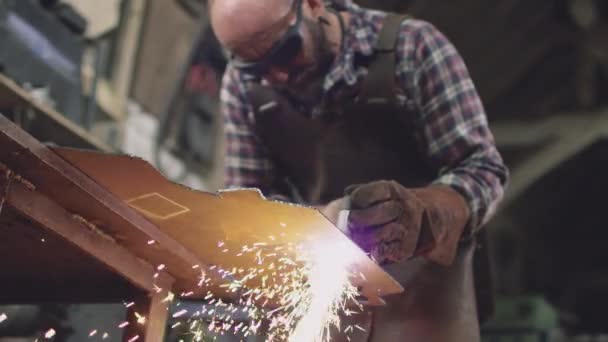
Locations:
{"points": [[282, 52]]}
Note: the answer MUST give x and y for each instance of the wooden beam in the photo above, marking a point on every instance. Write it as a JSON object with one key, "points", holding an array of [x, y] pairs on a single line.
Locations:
{"points": [[572, 136], [106, 96], [113, 94], [101, 16], [49, 124], [162, 53], [520, 134], [527, 133], [545, 160], [122, 75]]}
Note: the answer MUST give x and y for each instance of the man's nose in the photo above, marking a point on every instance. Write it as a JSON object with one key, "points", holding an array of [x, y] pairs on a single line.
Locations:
{"points": [[277, 75]]}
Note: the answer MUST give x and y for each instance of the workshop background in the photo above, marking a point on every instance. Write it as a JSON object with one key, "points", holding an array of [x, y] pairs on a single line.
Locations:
{"points": [[141, 77]]}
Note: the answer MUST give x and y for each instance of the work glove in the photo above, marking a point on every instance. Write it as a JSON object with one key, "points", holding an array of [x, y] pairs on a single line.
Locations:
{"points": [[393, 223]]}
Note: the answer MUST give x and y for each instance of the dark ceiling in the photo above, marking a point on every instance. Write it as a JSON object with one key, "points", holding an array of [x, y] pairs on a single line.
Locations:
{"points": [[522, 54]]}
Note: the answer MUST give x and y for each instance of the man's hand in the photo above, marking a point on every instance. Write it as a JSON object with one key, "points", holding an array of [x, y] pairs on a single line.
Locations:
{"points": [[394, 223]]}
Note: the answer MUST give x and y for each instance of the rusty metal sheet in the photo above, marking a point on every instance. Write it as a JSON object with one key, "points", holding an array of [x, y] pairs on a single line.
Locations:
{"points": [[199, 220]]}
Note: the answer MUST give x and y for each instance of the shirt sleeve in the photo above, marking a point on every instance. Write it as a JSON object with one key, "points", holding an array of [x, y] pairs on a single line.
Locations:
{"points": [[246, 160], [452, 127]]}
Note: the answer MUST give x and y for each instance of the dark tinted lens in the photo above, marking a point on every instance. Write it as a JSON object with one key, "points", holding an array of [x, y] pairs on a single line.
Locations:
{"points": [[288, 52], [282, 54], [253, 68]]}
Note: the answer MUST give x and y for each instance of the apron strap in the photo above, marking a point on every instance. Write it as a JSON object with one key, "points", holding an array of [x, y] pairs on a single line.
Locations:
{"points": [[379, 85]]}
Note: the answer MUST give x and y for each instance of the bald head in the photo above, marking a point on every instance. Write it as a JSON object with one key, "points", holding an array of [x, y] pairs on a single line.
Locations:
{"points": [[248, 24]]}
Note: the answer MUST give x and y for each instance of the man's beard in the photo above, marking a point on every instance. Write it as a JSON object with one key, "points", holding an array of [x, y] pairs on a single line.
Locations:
{"points": [[306, 84]]}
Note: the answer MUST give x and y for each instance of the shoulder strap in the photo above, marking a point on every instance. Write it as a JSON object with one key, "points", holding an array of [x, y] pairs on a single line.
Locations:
{"points": [[379, 85]]}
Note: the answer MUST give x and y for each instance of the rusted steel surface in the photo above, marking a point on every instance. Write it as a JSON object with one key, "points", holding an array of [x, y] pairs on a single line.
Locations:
{"points": [[52, 252], [216, 226], [127, 200], [80, 195], [38, 266], [42, 243]]}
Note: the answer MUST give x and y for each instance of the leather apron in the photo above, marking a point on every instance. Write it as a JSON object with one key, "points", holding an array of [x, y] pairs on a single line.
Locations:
{"points": [[367, 138]]}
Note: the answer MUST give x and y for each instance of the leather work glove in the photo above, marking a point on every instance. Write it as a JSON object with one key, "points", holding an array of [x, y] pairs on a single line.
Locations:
{"points": [[394, 223]]}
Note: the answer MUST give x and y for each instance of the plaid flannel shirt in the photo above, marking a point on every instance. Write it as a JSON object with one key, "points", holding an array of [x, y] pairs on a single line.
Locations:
{"points": [[452, 128]]}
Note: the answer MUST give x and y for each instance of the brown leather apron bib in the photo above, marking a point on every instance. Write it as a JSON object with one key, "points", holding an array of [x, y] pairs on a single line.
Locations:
{"points": [[369, 138]]}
